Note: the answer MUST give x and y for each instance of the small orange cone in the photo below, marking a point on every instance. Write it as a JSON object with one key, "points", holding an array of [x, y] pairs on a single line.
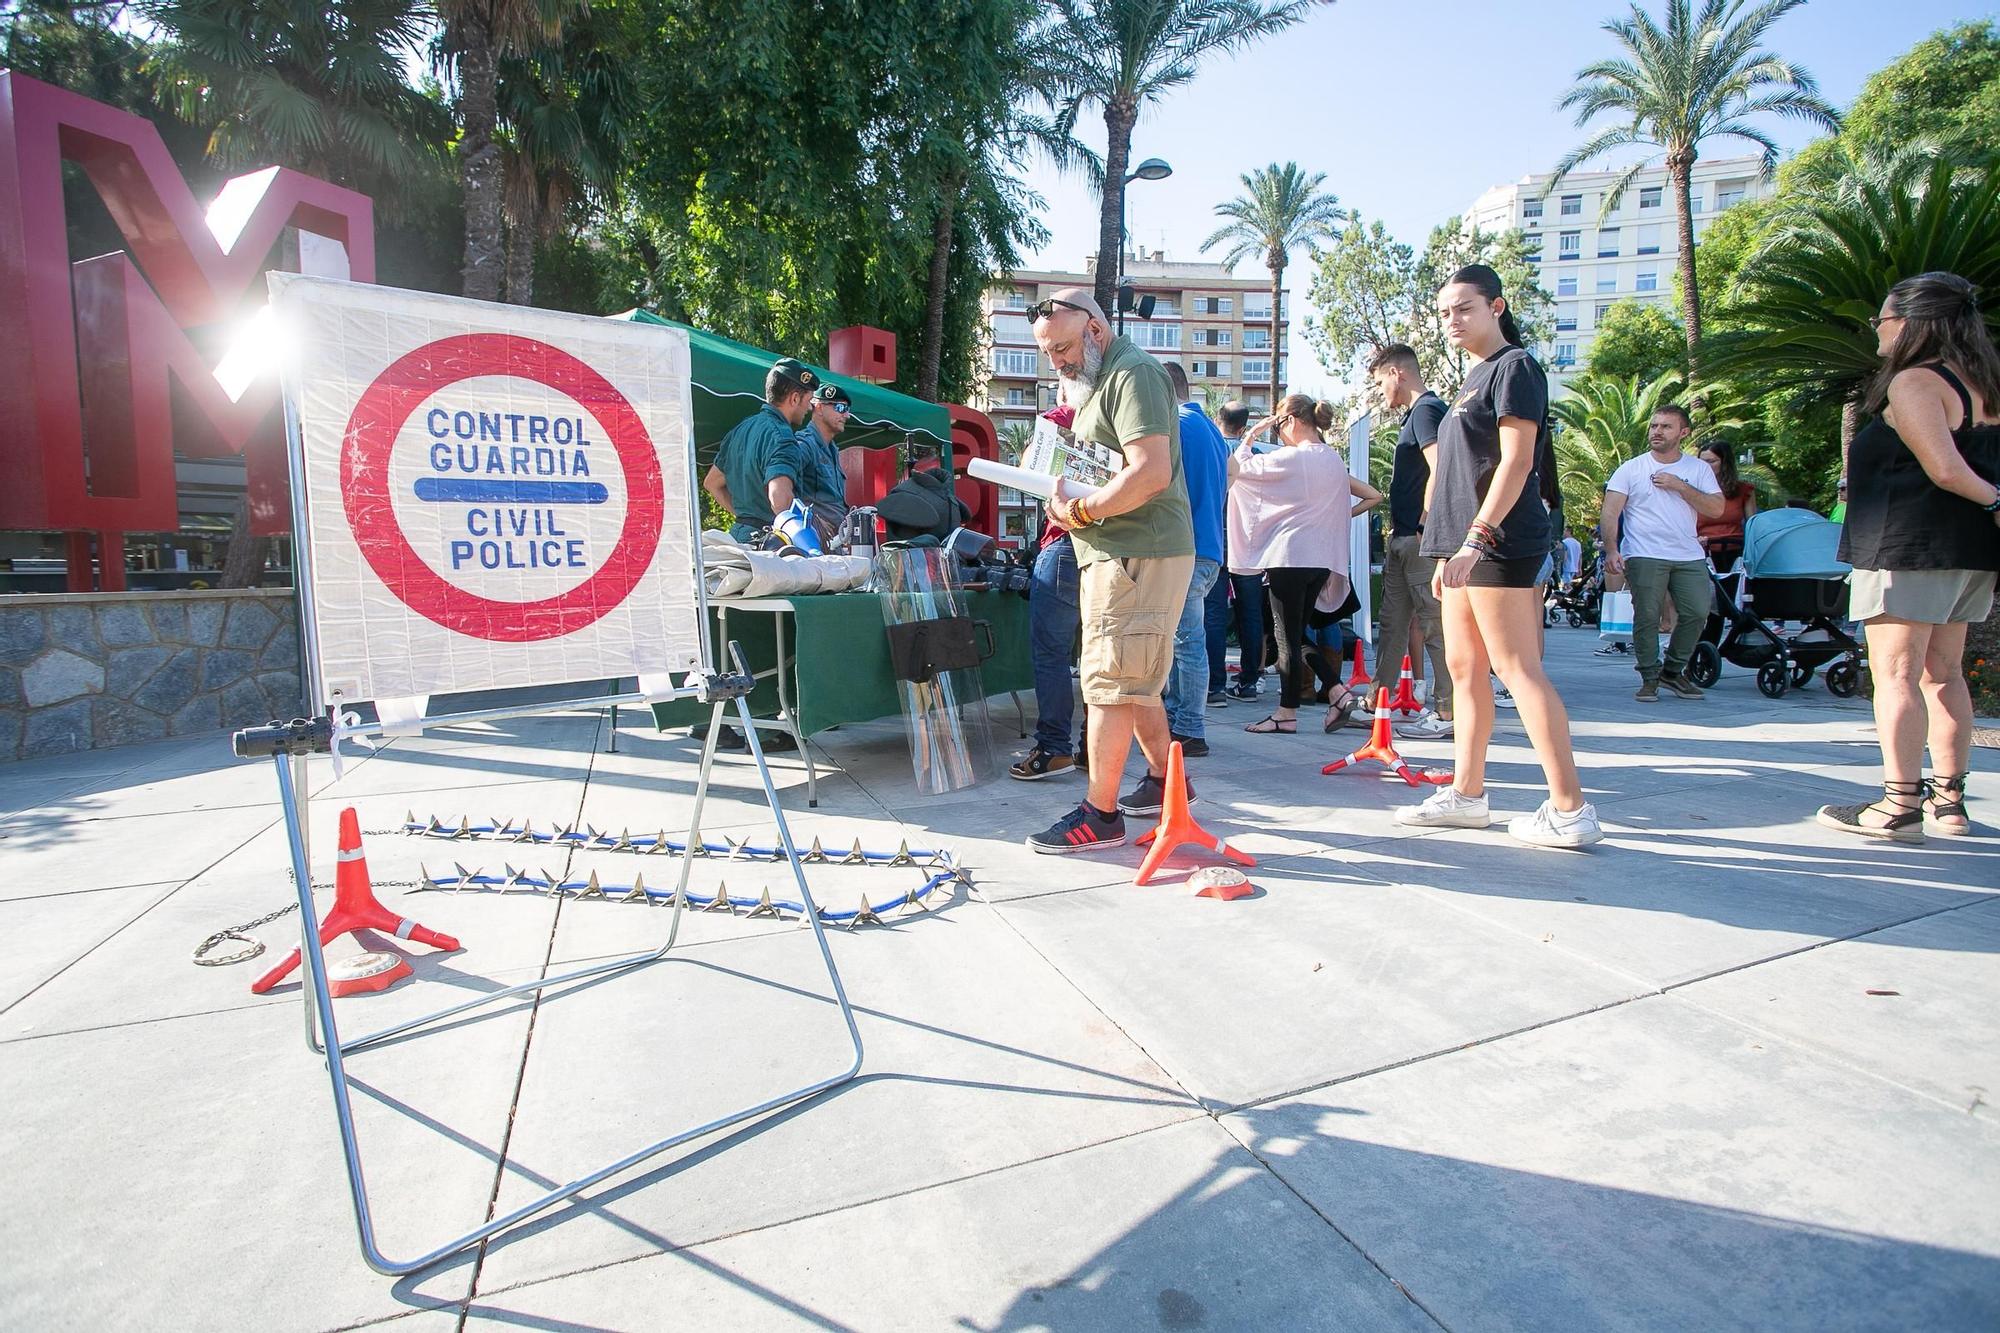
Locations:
{"points": [[354, 908], [1359, 675], [1177, 827], [1382, 749], [1405, 700]]}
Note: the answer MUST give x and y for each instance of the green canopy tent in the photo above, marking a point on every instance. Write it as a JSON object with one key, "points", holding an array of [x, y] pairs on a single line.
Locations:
{"points": [[728, 381]]}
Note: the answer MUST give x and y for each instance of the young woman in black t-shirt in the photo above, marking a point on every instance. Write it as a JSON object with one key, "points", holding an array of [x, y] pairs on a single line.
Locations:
{"points": [[1923, 500], [1489, 530]]}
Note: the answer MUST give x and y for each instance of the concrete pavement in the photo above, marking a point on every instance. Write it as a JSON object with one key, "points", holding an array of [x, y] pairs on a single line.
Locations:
{"points": [[1726, 1070]]}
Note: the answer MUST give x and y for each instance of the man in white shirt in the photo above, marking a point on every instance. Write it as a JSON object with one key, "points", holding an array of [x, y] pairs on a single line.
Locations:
{"points": [[1650, 509]]}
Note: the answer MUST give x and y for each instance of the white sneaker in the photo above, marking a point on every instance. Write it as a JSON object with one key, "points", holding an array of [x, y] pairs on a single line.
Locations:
{"points": [[1446, 808], [1502, 696], [1426, 726], [1550, 827]]}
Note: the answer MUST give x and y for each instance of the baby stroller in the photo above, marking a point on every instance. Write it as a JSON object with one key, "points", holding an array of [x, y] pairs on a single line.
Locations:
{"points": [[1789, 571], [1576, 602]]}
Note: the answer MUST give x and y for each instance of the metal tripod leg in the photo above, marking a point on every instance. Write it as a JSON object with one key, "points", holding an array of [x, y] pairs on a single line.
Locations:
{"points": [[320, 1003]]}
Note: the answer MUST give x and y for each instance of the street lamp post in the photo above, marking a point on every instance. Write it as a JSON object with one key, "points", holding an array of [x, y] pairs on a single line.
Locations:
{"points": [[1152, 169]]}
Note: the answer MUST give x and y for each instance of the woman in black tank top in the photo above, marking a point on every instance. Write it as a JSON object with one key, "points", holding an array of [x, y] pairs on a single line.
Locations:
{"points": [[1923, 535]]}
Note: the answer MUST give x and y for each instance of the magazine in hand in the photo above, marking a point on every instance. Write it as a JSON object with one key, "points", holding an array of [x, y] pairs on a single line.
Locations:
{"points": [[1080, 461]]}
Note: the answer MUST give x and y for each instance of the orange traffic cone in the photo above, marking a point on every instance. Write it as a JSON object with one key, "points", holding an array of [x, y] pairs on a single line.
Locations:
{"points": [[1382, 749], [354, 908], [1177, 827], [1359, 676], [1405, 700]]}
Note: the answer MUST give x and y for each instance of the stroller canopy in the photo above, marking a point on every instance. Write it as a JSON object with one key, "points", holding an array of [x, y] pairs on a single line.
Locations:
{"points": [[1792, 544]]}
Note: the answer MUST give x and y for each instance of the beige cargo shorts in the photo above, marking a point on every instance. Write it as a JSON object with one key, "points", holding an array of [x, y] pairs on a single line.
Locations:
{"points": [[1130, 609]]}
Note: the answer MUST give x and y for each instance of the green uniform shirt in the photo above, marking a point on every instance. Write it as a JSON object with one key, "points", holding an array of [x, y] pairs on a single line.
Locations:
{"points": [[820, 466], [1134, 399], [759, 449]]}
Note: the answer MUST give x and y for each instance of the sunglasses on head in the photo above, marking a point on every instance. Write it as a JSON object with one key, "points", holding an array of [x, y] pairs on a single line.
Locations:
{"points": [[1041, 310]]}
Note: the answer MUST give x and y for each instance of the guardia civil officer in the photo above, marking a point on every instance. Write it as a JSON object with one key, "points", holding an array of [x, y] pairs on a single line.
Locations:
{"points": [[760, 466]]}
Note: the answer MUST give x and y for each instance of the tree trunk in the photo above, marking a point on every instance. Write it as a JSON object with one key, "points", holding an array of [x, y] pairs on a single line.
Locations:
{"points": [[934, 291], [1119, 117], [521, 263], [1277, 264], [243, 562], [1680, 171], [479, 157]]}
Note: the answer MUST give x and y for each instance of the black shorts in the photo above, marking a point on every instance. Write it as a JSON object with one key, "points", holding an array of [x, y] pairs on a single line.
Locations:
{"points": [[1519, 573]]}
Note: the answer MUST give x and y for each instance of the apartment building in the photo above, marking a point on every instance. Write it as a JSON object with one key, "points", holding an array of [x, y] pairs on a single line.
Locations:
{"points": [[1217, 326], [1591, 260]]}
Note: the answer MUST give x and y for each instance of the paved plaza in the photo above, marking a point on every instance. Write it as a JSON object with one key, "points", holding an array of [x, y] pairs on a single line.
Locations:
{"points": [[1727, 1070]]}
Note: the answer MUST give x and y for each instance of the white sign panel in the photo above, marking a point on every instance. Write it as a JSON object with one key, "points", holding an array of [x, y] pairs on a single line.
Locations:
{"points": [[1358, 441], [487, 496]]}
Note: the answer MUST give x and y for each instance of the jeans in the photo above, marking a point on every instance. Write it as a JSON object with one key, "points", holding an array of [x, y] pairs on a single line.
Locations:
{"points": [[1652, 582], [1406, 595], [1053, 621], [1215, 618], [1249, 618], [1187, 687]]}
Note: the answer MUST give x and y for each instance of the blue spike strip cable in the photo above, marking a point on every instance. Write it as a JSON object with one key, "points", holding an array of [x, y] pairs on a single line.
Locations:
{"points": [[590, 839]]}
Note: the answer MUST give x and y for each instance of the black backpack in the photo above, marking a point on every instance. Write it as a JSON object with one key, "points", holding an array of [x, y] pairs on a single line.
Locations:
{"points": [[922, 505]]}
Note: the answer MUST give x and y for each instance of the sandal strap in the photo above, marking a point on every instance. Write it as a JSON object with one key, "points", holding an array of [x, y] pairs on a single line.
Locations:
{"points": [[1954, 782]]}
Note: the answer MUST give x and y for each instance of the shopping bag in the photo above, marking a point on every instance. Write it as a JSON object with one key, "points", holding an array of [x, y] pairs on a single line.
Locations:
{"points": [[1614, 615]]}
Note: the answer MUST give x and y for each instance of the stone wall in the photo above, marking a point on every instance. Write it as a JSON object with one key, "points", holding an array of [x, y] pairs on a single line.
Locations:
{"points": [[79, 671]]}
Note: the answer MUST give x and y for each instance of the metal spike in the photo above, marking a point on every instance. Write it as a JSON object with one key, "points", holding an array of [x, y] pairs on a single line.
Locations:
{"points": [[561, 834], [527, 833], [914, 899], [590, 834], [765, 907], [721, 903], [679, 899], [410, 824], [434, 826], [866, 916], [815, 852], [464, 828], [624, 843], [638, 890], [424, 880], [902, 856], [856, 857], [554, 884], [464, 876], [735, 847], [659, 847], [501, 828], [698, 848], [513, 877], [591, 888]]}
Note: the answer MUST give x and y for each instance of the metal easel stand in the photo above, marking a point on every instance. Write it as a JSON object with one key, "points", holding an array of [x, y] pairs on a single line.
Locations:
{"points": [[286, 744]]}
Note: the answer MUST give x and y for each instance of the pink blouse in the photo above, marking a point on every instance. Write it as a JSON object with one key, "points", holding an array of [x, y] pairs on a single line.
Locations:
{"points": [[1288, 509]]}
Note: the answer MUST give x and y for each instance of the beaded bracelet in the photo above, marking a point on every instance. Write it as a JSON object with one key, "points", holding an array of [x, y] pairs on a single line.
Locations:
{"points": [[1081, 514]]}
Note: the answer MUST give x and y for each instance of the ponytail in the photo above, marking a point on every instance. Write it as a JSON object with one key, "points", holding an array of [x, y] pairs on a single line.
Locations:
{"points": [[1487, 282]]}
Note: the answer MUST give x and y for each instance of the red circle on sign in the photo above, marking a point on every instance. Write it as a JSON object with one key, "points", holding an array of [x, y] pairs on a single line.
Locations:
{"points": [[378, 419]]}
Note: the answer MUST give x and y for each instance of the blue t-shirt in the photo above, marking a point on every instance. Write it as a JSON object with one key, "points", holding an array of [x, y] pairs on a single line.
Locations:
{"points": [[1205, 462]]}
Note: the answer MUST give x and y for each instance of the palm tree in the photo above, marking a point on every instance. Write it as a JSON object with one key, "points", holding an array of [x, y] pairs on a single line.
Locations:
{"points": [[1602, 422], [1120, 55], [1701, 76], [476, 34], [1280, 209]]}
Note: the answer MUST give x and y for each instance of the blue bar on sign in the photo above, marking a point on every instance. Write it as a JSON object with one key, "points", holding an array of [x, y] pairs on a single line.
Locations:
{"points": [[457, 490]]}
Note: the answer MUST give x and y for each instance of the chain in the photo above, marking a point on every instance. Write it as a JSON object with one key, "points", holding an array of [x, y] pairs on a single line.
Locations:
{"points": [[256, 946]]}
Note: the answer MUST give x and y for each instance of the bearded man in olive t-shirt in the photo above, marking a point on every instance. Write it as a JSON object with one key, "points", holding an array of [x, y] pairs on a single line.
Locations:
{"points": [[1134, 544]]}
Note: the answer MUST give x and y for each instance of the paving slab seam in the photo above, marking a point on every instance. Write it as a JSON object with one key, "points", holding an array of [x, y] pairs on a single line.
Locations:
{"points": [[141, 916], [98, 888], [1195, 1112], [500, 1158]]}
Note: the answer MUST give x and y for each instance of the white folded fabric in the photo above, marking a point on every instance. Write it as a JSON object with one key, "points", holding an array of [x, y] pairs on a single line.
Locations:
{"points": [[731, 569]]}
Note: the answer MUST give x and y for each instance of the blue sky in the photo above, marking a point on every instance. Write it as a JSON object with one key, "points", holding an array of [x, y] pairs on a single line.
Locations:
{"points": [[1413, 107]]}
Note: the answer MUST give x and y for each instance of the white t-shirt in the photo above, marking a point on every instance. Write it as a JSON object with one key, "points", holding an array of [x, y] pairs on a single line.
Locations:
{"points": [[1572, 558], [1658, 524]]}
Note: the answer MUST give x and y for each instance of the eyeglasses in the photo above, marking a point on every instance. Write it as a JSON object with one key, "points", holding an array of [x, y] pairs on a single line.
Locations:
{"points": [[1877, 321], [1041, 310], [840, 409]]}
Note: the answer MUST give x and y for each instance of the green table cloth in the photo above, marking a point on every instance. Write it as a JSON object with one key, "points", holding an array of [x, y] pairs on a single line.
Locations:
{"points": [[842, 652]]}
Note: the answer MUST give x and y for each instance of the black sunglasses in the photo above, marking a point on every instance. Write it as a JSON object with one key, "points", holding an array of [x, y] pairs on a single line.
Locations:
{"points": [[1041, 310]]}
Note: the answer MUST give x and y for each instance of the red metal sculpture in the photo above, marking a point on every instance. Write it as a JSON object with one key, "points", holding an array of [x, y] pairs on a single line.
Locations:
{"points": [[88, 423]]}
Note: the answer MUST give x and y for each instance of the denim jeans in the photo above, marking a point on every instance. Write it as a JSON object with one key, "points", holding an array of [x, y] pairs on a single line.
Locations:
{"points": [[1248, 615], [1215, 617], [1187, 685], [1053, 621]]}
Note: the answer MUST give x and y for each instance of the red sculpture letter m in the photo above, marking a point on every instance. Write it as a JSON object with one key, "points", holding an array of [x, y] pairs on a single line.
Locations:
{"points": [[87, 418]]}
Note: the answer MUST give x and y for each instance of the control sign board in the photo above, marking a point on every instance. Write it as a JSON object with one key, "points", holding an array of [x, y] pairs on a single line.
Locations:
{"points": [[491, 496]]}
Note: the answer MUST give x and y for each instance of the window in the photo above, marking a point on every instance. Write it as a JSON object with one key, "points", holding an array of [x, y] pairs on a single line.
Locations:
{"points": [[1566, 354], [1212, 305], [1212, 337], [1012, 329], [1694, 201], [1572, 205], [1566, 285], [1165, 307], [1649, 239], [1730, 192], [1010, 300], [1565, 319], [1256, 340], [1649, 197], [1607, 243], [1569, 245], [1019, 398], [1214, 370], [1603, 309], [1649, 281], [1162, 336], [1607, 280], [1531, 208], [1534, 253], [1257, 307], [1256, 368], [1007, 361]]}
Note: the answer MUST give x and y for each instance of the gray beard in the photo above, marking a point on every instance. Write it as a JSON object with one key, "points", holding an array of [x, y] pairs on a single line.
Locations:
{"points": [[1075, 390]]}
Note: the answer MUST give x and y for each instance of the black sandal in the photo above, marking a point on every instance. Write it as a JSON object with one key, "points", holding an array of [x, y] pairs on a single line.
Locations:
{"points": [[1942, 807], [1341, 709], [1274, 726], [1906, 826]]}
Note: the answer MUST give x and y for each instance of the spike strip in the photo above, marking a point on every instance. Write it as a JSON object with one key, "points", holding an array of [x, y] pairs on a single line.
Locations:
{"points": [[720, 901], [593, 840]]}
